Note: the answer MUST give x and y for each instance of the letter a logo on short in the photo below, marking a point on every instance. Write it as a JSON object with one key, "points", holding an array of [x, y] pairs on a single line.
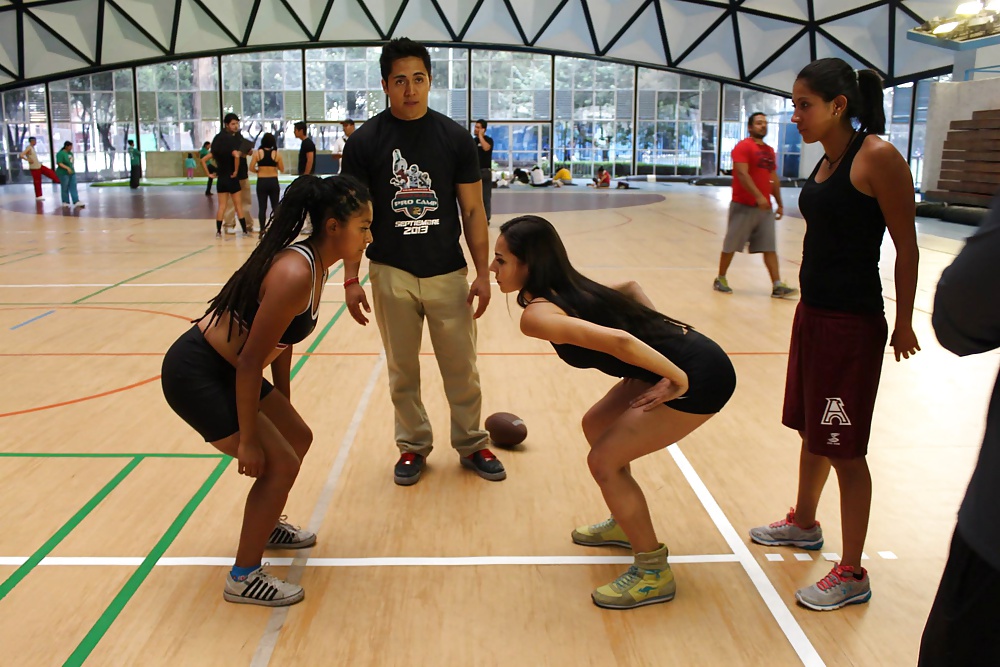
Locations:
{"points": [[835, 411]]}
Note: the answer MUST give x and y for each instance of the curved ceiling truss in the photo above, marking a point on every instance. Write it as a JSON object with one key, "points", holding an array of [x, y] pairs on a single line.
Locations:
{"points": [[761, 43]]}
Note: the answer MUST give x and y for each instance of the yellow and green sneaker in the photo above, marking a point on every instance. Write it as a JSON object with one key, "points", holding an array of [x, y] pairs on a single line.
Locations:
{"points": [[648, 581], [605, 533]]}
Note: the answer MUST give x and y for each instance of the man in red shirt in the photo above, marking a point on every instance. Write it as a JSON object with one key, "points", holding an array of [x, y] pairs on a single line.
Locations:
{"points": [[751, 220]]}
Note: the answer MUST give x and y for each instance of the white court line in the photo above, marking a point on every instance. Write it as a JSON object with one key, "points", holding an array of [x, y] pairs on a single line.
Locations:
{"points": [[803, 557], [793, 631], [58, 285], [402, 561], [265, 648]]}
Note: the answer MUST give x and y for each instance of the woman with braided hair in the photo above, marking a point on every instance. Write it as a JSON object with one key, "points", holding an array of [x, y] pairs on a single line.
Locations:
{"points": [[213, 374]]}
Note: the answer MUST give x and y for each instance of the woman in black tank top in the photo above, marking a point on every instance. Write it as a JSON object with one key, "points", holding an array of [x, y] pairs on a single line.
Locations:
{"points": [[212, 375], [267, 164], [662, 361], [861, 187]]}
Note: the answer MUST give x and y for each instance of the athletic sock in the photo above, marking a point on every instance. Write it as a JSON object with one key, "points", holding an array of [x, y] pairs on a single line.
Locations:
{"points": [[218, 226], [241, 573], [243, 224]]}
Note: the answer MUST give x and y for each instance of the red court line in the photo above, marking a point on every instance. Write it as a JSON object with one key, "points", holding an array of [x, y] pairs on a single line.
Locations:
{"points": [[103, 393], [81, 400], [131, 310], [628, 221]]}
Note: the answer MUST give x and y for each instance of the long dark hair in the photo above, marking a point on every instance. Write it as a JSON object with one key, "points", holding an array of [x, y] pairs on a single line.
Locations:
{"points": [[268, 142], [830, 77], [534, 241], [320, 199]]}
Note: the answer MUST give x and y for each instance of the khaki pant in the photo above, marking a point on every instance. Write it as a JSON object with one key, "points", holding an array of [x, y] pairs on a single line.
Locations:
{"points": [[246, 199], [402, 302]]}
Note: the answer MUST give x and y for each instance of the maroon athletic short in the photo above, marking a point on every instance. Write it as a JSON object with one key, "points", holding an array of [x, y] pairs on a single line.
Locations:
{"points": [[834, 365]]}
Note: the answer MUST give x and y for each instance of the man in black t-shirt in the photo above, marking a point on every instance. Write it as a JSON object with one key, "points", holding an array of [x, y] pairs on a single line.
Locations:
{"points": [[307, 151], [245, 197], [423, 171], [225, 151], [484, 147]]}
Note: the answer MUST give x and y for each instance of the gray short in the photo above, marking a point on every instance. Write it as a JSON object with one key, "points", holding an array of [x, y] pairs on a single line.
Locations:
{"points": [[749, 224]]}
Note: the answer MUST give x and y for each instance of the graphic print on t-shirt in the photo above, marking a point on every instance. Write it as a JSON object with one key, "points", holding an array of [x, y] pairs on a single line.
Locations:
{"points": [[415, 196], [765, 160]]}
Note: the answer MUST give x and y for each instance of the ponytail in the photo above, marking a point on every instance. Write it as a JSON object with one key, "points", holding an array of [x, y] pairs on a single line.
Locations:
{"points": [[871, 114], [319, 199], [832, 77]]}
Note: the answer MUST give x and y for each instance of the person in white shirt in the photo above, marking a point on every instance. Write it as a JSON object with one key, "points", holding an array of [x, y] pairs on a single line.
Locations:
{"points": [[338, 145], [538, 179], [37, 168]]}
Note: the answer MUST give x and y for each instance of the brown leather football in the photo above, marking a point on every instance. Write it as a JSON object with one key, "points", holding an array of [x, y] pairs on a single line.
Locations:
{"points": [[506, 430]]}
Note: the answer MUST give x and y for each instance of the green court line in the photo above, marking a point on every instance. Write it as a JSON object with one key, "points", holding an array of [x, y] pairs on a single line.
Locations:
{"points": [[322, 334], [110, 615], [144, 273], [44, 550], [103, 624], [19, 252], [85, 455], [21, 259]]}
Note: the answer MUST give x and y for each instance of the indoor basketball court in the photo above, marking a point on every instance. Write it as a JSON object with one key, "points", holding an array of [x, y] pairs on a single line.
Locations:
{"points": [[122, 523]]}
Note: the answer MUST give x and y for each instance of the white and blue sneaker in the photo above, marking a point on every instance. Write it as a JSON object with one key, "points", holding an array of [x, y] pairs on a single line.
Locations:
{"points": [[287, 536], [263, 589]]}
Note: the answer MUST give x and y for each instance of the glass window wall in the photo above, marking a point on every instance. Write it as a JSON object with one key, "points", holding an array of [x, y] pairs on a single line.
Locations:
{"points": [[178, 104], [25, 114]]}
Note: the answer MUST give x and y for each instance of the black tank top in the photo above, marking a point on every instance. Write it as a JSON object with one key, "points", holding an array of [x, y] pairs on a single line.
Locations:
{"points": [[302, 324], [267, 159], [670, 340], [840, 252]]}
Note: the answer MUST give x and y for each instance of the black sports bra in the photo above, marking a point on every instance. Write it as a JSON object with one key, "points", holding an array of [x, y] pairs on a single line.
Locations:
{"points": [[267, 159], [302, 324]]}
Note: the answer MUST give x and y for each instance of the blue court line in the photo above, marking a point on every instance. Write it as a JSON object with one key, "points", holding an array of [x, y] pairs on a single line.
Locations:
{"points": [[36, 317]]}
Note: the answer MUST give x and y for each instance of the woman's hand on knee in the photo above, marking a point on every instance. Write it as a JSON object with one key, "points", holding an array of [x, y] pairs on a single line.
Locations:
{"points": [[250, 457]]}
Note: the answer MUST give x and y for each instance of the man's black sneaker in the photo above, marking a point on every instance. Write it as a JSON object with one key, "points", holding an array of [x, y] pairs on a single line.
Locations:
{"points": [[408, 469], [486, 465]]}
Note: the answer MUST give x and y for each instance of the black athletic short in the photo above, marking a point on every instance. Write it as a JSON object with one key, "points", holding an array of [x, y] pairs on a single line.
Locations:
{"points": [[227, 184], [711, 376], [200, 386]]}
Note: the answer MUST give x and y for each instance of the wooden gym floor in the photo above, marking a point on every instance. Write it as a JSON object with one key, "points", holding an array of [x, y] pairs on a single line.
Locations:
{"points": [[121, 524]]}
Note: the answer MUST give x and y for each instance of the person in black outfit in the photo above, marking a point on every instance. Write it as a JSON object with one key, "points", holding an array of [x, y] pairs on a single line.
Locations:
{"points": [[212, 375], [674, 379], [307, 151], [267, 164], [962, 626], [227, 155], [484, 147]]}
